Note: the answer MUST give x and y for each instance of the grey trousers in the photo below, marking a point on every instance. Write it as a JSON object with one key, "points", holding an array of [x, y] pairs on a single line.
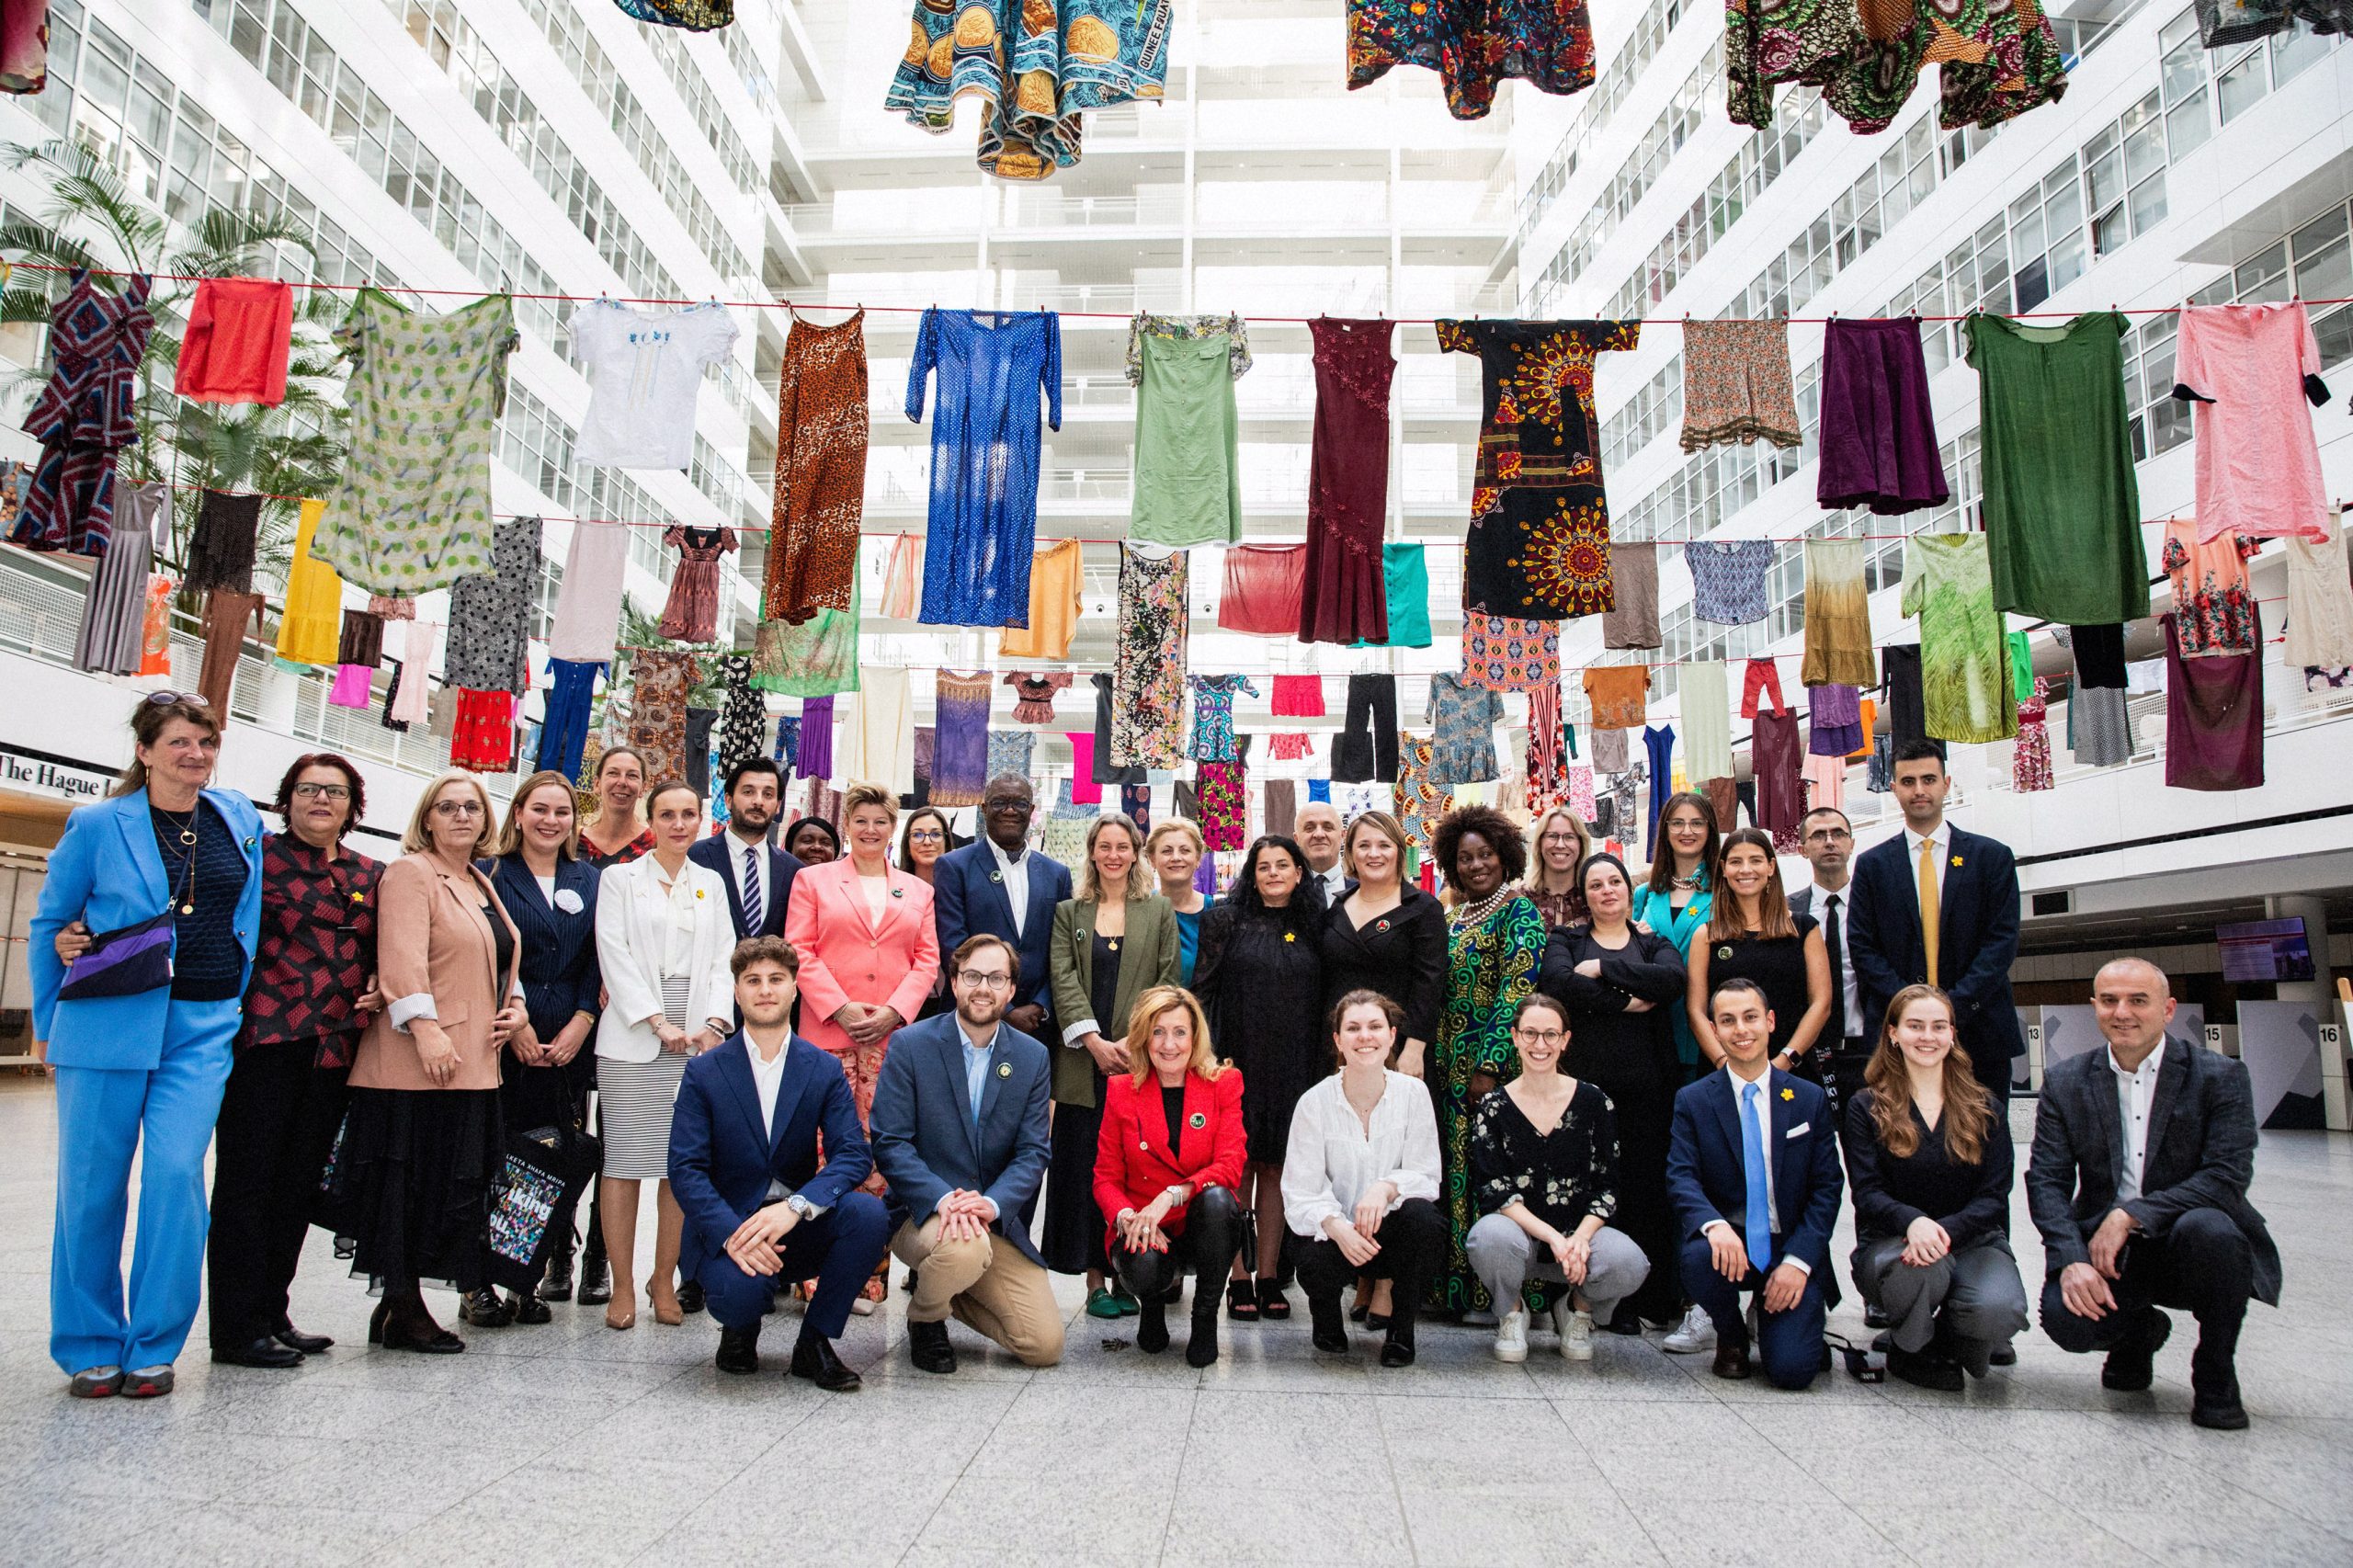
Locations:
{"points": [[1506, 1257], [1976, 1288]]}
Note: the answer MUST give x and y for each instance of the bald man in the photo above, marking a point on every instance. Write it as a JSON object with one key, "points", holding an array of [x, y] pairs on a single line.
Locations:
{"points": [[2142, 1154], [1317, 829]]}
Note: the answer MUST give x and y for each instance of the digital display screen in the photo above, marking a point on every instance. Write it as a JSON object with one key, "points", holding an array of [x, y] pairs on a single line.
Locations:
{"points": [[2260, 951]]}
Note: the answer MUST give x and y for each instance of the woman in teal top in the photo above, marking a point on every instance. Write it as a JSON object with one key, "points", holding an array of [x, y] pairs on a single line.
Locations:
{"points": [[1173, 851], [1675, 902]]}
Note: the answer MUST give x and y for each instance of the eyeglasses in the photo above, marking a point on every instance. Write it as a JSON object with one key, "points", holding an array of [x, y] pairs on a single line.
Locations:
{"points": [[1830, 834], [1005, 803], [322, 792], [1540, 1037], [978, 977], [457, 808], [166, 699], [923, 836]]}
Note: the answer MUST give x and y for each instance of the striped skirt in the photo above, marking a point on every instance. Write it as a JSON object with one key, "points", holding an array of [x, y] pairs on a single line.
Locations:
{"points": [[634, 1100]]}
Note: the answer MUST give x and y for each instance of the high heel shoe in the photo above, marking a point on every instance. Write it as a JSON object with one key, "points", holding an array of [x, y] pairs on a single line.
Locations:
{"points": [[1241, 1301], [672, 1315], [622, 1311], [376, 1321], [421, 1334]]}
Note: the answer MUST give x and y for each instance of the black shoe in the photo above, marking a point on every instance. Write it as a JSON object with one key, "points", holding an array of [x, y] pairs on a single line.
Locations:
{"points": [[1732, 1362], [739, 1350], [1397, 1350], [308, 1343], [1875, 1316], [263, 1352], [1273, 1305], [1923, 1369], [557, 1284], [2003, 1355], [375, 1320], [928, 1349], [2214, 1381], [2219, 1409], [1625, 1321], [1152, 1327], [484, 1309], [814, 1359], [1200, 1350], [595, 1276], [2129, 1368], [529, 1309], [425, 1338], [1326, 1332], [690, 1297], [1241, 1301]]}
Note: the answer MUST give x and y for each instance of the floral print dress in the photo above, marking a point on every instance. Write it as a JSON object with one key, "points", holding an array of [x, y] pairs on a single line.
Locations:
{"points": [[1213, 716], [1473, 45], [1490, 963], [2030, 760], [1148, 677]]}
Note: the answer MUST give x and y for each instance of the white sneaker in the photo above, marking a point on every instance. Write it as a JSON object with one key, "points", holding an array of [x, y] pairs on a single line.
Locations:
{"points": [[1511, 1336], [863, 1307], [1695, 1336], [1575, 1329]]}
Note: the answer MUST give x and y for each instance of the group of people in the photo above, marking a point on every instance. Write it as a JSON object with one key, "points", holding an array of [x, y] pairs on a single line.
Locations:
{"points": [[1562, 1089]]}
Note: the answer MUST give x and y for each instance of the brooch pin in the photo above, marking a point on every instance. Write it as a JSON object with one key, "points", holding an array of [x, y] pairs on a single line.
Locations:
{"points": [[699, 893], [1197, 1121], [898, 893], [1789, 1093], [1005, 1069], [1145, 1144], [996, 876], [359, 898], [1956, 859], [1112, 943], [1723, 952], [1380, 924], [1290, 935]]}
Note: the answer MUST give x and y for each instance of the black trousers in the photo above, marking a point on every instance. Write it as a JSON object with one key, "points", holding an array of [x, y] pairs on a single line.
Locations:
{"points": [[1412, 1245], [2203, 1266], [1367, 748], [1205, 1248], [278, 1117]]}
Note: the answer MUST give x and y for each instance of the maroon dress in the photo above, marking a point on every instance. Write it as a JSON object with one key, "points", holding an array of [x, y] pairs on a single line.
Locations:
{"points": [[692, 613], [2213, 716], [1345, 597]]}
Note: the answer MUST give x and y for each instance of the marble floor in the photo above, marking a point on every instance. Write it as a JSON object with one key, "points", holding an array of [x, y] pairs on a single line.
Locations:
{"points": [[575, 1447]]}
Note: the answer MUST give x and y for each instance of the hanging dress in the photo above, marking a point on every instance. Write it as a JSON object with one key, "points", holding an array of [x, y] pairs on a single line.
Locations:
{"points": [[1473, 45], [744, 720], [820, 496], [490, 615], [1964, 664], [691, 615], [1188, 487], [1148, 677], [85, 415], [306, 632], [1345, 599], [903, 578], [659, 684], [114, 612], [2031, 759], [1056, 574], [960, 753], [983, 522]]}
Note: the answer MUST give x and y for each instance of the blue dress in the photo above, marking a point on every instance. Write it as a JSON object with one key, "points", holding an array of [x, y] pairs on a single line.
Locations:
{"points": [[985, 441]]}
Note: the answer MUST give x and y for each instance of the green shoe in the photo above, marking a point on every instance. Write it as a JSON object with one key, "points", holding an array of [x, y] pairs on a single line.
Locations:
{"points": [[1101, 1303], [1124, 1299]]}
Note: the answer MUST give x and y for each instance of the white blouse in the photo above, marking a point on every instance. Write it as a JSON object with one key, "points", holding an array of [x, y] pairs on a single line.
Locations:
{"points": [[1331, 1159]]}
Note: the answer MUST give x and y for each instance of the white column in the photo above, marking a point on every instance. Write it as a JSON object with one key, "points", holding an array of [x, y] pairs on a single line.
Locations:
{"points": [[2336, 1106]]}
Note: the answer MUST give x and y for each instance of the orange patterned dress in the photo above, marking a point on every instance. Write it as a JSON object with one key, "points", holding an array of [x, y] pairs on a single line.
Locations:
{"points": [[821, 431]]}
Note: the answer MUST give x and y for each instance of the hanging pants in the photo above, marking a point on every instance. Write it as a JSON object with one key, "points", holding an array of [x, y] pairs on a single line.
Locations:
{"points": [[1367, 748], [564, 735], [165, 1116]]}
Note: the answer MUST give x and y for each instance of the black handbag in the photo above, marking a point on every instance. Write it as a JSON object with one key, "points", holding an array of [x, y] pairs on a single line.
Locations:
{"points": [[124, 961], [546, 1170]]}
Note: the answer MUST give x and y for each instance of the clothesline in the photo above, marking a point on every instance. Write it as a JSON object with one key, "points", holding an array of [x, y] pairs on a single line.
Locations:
{"points": [[789, 304]]}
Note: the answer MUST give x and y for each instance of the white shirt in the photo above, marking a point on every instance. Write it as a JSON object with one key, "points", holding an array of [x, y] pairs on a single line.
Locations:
{"points": [[1016, 881], [753, 917], [1331, 1159], [878, 893], [644, 373], [1762, 1114], [1942, 839], [1850, 997], [1335, 881], [678, 926], [2134, 1091], [767, 1078], [547, 889]]}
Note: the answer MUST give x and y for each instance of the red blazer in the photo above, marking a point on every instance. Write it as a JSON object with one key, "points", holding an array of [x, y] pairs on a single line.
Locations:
{"points": [[1133, 1163]]}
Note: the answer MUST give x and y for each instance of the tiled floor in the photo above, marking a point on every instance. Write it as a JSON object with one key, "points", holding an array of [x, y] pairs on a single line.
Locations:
{"points": [[575, 1447]]}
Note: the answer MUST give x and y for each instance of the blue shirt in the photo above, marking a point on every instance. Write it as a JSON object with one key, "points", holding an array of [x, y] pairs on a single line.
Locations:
{"points": [[976, 1067]]}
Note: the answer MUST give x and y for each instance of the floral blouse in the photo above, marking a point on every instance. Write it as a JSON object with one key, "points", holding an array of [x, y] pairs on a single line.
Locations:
{"points": [[1563, 1176]]}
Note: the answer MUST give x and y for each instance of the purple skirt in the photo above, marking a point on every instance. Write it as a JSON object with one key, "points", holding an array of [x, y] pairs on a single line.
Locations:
{"points": [[1835, 721], [1878, 435], [959, 751], [2213, 717], [816, 758]]}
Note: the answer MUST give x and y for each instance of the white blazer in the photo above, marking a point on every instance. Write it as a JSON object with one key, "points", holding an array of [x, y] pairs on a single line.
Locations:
{"points": [[630, 910]]}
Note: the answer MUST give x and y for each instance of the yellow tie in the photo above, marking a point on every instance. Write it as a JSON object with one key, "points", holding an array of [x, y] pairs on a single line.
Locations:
{"points": [[1928, 904]]}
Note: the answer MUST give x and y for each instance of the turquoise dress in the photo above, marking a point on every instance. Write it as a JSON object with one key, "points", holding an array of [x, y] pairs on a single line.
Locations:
{"points": [[1405, 581], [1189, 940], [1652, 909]]}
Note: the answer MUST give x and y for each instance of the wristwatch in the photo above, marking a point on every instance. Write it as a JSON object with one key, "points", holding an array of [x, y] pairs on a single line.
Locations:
{"points": [[801, 1207]]}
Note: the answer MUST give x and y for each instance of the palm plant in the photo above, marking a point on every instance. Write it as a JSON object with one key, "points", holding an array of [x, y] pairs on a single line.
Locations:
{"points": [[295, 448]]}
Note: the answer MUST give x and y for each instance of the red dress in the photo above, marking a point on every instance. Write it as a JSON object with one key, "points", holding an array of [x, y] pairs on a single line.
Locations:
{"points": [[1346, 598]]}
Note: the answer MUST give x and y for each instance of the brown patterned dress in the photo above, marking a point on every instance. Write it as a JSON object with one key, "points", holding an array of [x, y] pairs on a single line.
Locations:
{"points": [[820, 472]]}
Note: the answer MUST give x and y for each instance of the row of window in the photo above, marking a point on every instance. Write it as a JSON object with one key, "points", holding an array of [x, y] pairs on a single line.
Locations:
{"points": [[1596, 107]]}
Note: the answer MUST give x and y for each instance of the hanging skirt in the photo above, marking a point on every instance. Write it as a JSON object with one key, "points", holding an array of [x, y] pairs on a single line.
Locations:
{"points": [[902, 579], [1877, 435], [960, 757], [1262, 588], [114, 615], [1054, 580], [221, 555], [1838, 614], [1736, 384], [307, 633]]}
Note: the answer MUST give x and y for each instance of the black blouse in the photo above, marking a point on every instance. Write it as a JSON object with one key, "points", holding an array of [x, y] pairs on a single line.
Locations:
{"points": [[1563, 1176], [1628, 1055], [1400, 953], [1969, 1202], [207, 882], [1775, 964]]}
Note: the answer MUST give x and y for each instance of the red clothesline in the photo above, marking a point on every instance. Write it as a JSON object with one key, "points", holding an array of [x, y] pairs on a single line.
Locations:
{"points": [[788, 304]]}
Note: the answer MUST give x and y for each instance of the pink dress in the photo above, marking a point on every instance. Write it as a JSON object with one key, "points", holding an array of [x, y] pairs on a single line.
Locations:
{"points": [[2251, 369]]}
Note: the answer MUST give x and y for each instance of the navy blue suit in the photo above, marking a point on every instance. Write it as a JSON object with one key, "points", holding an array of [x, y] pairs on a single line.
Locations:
{"points": [[723, 853], [969, 899], [1977, 940], [724, 1167], [1706, 1181], [927, 1145], [559, 962]]}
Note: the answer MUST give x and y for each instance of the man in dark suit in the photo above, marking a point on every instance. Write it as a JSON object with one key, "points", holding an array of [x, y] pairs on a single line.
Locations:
{"points": [[1753, 1173], [1960, 890], [998, 886], [757, 874], [744, 1164], [2143, 1154], [960, 1134], [1827, 841]]}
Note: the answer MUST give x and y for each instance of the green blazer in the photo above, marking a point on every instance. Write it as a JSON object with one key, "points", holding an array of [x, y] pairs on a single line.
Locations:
{"points": [[1147, 958]]}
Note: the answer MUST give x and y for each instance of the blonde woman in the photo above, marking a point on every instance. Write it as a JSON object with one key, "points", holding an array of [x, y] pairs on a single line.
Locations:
{"points": [[1174, 849], [1114, 941], [421, 1143], [663, 938], [1557, 846]]}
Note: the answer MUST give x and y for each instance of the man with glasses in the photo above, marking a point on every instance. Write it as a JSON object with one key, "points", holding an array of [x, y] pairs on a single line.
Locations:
{"points": [[998, 886], [1827, 841], [960, 1134]]}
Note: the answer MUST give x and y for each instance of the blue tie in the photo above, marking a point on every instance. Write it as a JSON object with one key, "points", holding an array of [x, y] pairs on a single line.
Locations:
{"points": [[1752, 1164], [975, 1081], [756, 909]]}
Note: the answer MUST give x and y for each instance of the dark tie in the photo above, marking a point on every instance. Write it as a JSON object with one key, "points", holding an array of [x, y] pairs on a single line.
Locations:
{"points": [[1834, 939], [754, 909]]}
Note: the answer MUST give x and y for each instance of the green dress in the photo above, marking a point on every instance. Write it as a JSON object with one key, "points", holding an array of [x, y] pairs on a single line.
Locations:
{"points": [[817, 657], [1964, 659], [1490, 965], [425, 393], [2062, 507], [1187, 484]]}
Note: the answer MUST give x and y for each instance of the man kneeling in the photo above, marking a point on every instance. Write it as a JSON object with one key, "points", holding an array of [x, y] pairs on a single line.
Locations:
{"points": [[960, 1134], [744, 1164]]}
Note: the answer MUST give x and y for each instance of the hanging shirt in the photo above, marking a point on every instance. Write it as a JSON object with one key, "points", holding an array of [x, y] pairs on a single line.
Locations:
{"points": [[1728, 579], [2248, 370], [240, 333], [2213, 605], [645, 370]]}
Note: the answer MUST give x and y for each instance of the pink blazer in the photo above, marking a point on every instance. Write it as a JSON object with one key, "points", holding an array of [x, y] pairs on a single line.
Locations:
{"points": [[847, 956]]}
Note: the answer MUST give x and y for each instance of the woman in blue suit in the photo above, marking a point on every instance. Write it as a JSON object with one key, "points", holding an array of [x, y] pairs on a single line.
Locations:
{"points": [[140, 1076], [551, 892]]}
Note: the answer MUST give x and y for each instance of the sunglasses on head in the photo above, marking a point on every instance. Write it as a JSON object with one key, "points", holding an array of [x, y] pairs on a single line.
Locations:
{"points": [[166, 699]]}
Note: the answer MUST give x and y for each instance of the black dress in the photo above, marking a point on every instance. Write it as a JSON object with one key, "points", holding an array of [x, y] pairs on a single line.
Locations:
{"points": [[1776, 963], [1631, 1058], [1259, 976], [1075, 1227], [1400, 954]]}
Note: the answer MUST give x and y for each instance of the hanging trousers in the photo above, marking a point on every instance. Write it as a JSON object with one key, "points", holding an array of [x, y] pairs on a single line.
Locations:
{"points": [[565, 734], [279, 1118], [1367, 748]]}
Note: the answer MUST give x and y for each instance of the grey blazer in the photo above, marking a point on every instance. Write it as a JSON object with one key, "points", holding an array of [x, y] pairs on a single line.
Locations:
{"points": [[2200, 1154], [1147, 958]]}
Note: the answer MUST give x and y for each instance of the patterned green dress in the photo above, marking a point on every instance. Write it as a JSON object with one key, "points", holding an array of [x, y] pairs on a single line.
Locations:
{"points": [[1490, 963], [1964, 661], [425, 392]]}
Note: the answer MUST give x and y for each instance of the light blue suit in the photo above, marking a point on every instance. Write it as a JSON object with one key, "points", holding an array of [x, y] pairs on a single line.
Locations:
{"points": [[135, 1076]]}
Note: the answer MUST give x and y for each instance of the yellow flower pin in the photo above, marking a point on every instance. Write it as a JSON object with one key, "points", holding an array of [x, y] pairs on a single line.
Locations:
{"points": [[1290, 935], [1956, 859], [699, 893], [1789, 1093]]}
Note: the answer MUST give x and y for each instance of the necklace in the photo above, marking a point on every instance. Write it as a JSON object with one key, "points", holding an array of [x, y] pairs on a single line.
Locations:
{"points": [[186, 829], [1472, 913], [186, 834], [1688, 884]]}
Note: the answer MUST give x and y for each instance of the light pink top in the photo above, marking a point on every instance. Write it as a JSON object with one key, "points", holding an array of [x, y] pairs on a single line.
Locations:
{"points": [[2258, 466]]}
